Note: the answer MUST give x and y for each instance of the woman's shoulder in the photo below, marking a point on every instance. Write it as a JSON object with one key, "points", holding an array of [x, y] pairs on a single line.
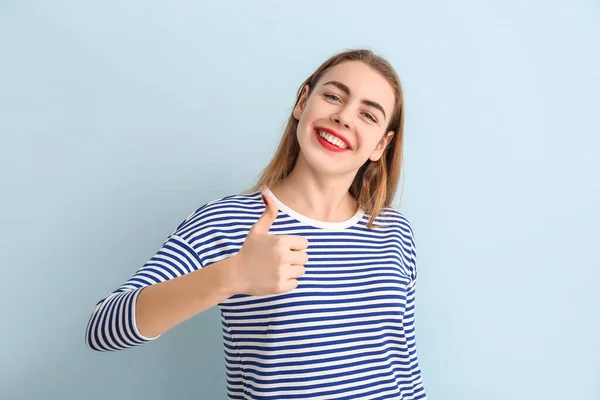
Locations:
{"points": [[240, 200], [392, 216], [234, 206]]}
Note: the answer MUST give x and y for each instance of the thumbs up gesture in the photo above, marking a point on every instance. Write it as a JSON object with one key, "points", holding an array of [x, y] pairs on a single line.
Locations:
{"points": [[270, 264]]}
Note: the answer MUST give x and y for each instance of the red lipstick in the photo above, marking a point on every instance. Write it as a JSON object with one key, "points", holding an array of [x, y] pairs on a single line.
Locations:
{"points": [[334, 133]]}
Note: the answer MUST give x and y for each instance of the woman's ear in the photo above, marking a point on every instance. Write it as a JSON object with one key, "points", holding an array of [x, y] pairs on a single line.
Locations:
{"points": [[301, 105], [376, 155]]}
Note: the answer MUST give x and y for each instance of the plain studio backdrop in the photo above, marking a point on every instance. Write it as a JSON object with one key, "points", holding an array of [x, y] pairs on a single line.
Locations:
{"points": [[119, 119]]}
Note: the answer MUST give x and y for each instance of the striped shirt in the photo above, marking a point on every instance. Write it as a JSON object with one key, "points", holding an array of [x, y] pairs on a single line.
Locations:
{"points": [[346, 332]]}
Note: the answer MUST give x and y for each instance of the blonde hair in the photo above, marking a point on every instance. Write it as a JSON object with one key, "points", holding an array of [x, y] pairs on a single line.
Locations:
{"points": [[375, 183]]}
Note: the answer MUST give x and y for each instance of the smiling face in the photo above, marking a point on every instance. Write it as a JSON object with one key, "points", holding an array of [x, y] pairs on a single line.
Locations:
{"points": [[351, 106]]}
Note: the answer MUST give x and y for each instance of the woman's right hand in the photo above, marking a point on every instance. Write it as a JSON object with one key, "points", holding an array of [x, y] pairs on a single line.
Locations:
{"points": [[269, 264]]}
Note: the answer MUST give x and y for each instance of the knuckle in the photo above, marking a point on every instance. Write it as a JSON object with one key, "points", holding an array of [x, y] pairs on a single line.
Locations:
{"points": [[281, 247], [279, 258], [280, 287], [305, 258]]}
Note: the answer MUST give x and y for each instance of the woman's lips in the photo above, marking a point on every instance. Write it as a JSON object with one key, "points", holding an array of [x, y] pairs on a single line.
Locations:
{"points": [[327, 145], [334, 133]]}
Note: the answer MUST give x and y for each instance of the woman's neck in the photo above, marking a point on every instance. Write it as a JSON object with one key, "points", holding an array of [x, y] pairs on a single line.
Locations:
{"points": [[322, 201]]}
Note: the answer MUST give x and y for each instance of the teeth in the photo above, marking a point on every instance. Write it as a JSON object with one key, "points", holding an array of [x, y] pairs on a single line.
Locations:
{"points": [[333, 140]]}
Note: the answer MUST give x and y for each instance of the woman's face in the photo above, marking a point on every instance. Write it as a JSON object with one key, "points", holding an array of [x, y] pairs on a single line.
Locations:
{"points": [[351, 105]]}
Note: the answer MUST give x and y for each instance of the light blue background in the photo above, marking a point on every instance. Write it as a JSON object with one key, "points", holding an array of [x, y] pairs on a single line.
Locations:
{"points": [[119, 119]]}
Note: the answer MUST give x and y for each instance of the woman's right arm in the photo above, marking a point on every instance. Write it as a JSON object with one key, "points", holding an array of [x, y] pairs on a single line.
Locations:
{"points": [[163, 306], [168, 289], [174, 285]]}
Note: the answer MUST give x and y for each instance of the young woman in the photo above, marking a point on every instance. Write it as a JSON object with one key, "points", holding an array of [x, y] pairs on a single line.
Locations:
{"points": [[313, 270]]}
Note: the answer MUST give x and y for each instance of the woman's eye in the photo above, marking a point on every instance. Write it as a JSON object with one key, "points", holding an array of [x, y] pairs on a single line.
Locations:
{"points": [[332, 97], [370, 116]]}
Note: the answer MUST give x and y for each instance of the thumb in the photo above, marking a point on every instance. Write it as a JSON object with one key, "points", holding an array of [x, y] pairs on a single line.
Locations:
{"points": [[266, 220]]}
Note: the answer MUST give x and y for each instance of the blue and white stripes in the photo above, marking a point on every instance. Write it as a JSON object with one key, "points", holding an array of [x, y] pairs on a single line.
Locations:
{"points": [[112, 325], [347, 330]]}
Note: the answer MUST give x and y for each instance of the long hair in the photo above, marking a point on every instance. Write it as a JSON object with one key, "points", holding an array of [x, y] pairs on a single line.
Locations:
{"points": [[375, 183]]}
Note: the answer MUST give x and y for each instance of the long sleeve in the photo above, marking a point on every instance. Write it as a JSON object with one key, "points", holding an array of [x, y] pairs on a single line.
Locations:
{"points": [[408, 322], [112, 325]]}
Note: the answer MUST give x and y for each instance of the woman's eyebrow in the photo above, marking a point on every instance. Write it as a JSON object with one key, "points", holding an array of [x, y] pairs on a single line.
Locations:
{"points": [[346, 90]]}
